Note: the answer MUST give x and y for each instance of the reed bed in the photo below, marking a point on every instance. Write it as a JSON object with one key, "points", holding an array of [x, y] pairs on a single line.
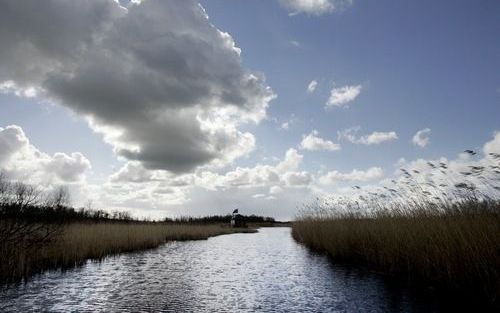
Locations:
{"points": [[78, 242], [440, 230]]}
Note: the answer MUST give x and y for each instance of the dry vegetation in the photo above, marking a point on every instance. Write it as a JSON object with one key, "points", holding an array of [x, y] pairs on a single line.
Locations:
{"points": [[78, 242], [40, 230], [441, 230]]}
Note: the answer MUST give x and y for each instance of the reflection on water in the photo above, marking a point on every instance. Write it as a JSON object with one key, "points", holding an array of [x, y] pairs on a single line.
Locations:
{"points": [[263, 272]]}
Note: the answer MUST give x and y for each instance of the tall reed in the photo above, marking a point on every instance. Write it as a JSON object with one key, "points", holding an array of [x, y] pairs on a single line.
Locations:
{"points": [[79, 242], [432, 227]]}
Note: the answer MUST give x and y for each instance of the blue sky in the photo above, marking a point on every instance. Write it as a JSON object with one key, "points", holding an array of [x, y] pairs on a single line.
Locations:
{"points": [[424, 64], [416, 65]]}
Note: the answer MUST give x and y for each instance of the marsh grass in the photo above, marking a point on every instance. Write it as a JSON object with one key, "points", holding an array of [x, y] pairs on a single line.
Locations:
{"points": [[434, 230], [458, 252], [79, 242]]}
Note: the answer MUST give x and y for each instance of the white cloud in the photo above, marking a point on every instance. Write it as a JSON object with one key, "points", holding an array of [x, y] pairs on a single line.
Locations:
{"points": [[442, 174], [374, 138], [421, 138], [312, 86], [132, 172], [23, 161], [135, 186], [492, 146], [284, 184], [163, 85], [355, 175], [10, 86], [313, 142], [291, 162], [295, 43], [240, 177], [302, 178], [341, 96], [274, 190], [438, 179], [68, 168], [286, 124], [314, 7]]}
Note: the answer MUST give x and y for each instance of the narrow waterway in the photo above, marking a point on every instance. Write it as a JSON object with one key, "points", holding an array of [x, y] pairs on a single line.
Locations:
{"points": [[263, 272]]}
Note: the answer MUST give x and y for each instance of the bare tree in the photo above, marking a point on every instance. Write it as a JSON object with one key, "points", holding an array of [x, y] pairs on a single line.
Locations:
{"points": [[60, 198], [19, 223], [25, 195], [89, 205], [4, 189]]}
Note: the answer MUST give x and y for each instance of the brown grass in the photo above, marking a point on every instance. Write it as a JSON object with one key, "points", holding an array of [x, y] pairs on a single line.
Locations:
{"points": [[81, 241], [456, 250], [437, 224]]}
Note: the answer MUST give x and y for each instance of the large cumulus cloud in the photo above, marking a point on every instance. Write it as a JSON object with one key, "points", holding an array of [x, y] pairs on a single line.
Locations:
{"points": [[162, 84]]}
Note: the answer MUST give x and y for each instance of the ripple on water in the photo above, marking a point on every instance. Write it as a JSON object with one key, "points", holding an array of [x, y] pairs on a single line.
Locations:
{"points": [[265, 271]]}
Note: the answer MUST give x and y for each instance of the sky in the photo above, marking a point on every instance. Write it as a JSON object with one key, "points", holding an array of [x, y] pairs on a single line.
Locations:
{"points": [[170, 108]]}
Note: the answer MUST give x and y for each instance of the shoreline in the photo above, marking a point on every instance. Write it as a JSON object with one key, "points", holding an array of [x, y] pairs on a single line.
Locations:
{"points": [[452, 256], [80, 242]]}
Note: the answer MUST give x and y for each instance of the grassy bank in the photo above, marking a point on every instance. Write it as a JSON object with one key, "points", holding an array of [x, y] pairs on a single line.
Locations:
{"points": [[455, 250], [273, 224], [40, 230], [77, 242], [436, 225]]}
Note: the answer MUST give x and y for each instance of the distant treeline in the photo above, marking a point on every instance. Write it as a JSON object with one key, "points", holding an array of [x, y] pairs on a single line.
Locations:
{"points": [[20, 201], [220, 219]]}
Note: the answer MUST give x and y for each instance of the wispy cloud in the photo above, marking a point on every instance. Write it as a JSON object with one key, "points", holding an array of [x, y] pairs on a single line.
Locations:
{"points": [[314, 7], [313, 142], [312, 86], [374, 138], [355, 175], [341, 96], [421, 138], [285, 125]]}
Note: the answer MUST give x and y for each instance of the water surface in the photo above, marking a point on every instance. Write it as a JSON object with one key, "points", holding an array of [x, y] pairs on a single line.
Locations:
{"points": [[263, 272]]}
